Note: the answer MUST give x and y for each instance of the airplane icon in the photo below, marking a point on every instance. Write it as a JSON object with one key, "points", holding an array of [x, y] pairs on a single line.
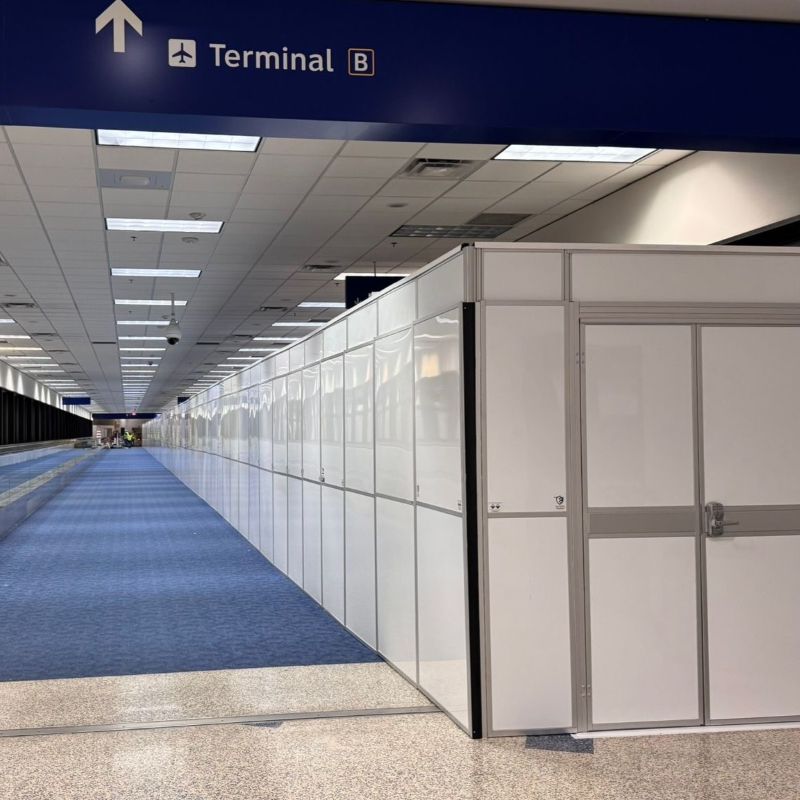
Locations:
{"points": [[182, 53]]}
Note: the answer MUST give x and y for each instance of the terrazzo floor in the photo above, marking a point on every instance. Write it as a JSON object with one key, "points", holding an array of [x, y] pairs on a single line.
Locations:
{"points": [[203, 695], [401, 757]]}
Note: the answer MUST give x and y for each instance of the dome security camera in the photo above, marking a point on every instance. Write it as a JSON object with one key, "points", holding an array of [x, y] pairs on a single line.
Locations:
{"points": [[173, 330]]}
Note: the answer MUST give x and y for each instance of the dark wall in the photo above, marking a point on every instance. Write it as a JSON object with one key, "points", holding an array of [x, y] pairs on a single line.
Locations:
{"points": [[23, 420]]}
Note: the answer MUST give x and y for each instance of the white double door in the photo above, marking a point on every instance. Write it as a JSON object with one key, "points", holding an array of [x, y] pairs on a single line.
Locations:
{"points": [[691, 523]]}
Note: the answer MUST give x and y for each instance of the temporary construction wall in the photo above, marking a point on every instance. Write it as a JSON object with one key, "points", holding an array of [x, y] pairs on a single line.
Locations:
{"points": [[497, 474], [341, 460]]}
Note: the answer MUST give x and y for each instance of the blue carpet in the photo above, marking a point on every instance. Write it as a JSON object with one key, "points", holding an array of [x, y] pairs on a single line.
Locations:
{"points": [[13, 475], [128, 572]]}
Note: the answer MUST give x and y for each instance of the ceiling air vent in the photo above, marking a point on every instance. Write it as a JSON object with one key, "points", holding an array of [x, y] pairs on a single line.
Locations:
{"points": [[320, 267], [447, 168], [103, 342], [207, 344], [19, 305], [498, 219], [273, 308], [463, 232], [134, 179], [3, 261]]}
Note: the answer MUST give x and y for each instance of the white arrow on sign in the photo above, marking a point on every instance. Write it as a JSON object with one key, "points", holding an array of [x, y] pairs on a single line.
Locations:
{"points": [[119, 14]]}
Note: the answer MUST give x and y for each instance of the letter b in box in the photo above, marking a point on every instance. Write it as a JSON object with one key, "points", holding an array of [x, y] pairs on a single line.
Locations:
{"points": [[361, 62]]}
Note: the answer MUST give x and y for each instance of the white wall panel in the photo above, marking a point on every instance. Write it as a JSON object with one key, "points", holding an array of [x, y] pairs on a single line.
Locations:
{"points": [[254, 505], [397, 309], [280, 501], [525, 407], [294, 386], [333, 551], [751, 428], [297, 357], [253, 434], [282, 362], [639, 434], [266, 522], [442, 288], [335, 339], [360, 566], [280, 426], [265, 426], [437, 369], [394, 415], [643, 611], [362, 325], [332, 422], [295, 531], [311, 423], [314, 347], [442, 610], [242, 517], [753, 632], [359, 421], [515, 275], [396, 584], [312, 540], [529, 624]]}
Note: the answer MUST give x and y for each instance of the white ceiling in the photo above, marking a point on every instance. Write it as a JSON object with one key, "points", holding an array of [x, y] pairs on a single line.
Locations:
{"points": [[783, 10], [292, 203]]}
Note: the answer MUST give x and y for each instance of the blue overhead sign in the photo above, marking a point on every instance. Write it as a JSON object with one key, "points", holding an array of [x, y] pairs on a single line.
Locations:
{"points": [[381, 69], [77, 401]]}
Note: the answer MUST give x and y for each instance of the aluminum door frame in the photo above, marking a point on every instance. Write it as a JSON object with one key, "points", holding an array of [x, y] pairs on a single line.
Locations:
{"points": [[695, 315]]}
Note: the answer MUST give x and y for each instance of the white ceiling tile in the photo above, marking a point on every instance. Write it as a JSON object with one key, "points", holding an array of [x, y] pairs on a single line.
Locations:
{"points": [[664, 157], [156, 198], [82, 210], [13, 193], [315, 147], [199, 182], [583, 173], [477, 152], [491, 190], [399, 207], [293, 166], [217, 163], [150, 159], [364, 187], [333, 203], [402, 150], [65, 194], [56, 136], [279, 184], [13, 208], [344, 167], [6, 156], [262, 216], [450, 212], [9, 175], [60, 176], [417, 187], [43, 155], [128, 211], [270, 202], [535, 197], [211, 211]]}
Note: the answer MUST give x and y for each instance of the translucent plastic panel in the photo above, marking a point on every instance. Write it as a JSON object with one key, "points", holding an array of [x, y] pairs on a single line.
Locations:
{"points": [[751, 424], [297, 358], [394, 415], [397, 309], [295, 531], [313, 349], [525, 411], [333, 551], [311, 423], [442, 288], [442, 612], [280, 500], [280, 433], [265, 426], [358, 416], [266, 523], [295, 423], [360, 566], [362, 325], [332, 422], [312, 540], [643, 607], [437, 368], [529, 624], [253, 420], [253, 506], [335, 339], [397, 610], [242, 513], [640, 445], [281, 362], [243, 427]]}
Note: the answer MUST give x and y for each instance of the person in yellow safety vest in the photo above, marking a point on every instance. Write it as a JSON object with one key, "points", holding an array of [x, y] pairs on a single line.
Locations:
{"points": [[129, 439]]}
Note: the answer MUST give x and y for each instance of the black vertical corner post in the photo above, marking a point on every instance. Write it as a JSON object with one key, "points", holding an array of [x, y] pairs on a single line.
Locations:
{"points": [[471, 518]]}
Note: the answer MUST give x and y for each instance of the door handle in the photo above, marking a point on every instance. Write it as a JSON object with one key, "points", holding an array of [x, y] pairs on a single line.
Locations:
{"points": [[715, 519]]}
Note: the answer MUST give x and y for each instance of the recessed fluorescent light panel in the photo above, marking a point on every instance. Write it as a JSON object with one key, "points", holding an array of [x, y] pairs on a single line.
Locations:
{"points": [[297, 324], [162, 322], [142, 350], [142, 338], [163, 225], [14, 336], [178, 141], [258, 349], [342, 275], [6, 321], [122, 302], [19, 349], [315, 304], [118, 272], [275, 338], [607, 155]]}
